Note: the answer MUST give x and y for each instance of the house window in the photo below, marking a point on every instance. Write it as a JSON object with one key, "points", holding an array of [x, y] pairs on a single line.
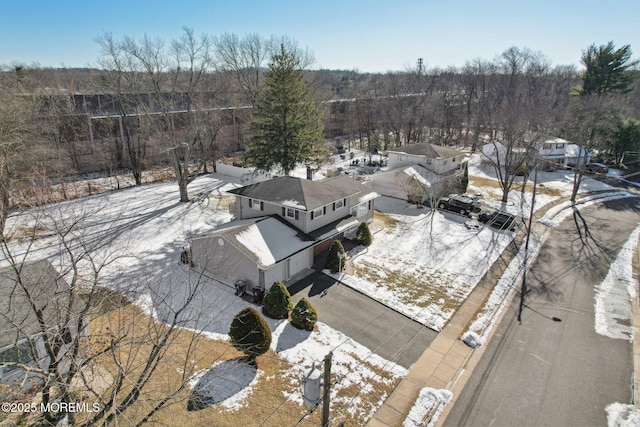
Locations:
{"points": [[547, 146], [256, 204], [318, 212], [559, 145], [21, 354], [290, 213], [339, 204], [402, 157]]}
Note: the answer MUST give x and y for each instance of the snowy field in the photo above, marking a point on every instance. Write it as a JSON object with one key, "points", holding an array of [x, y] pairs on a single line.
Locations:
{"points": [[422, 264]]}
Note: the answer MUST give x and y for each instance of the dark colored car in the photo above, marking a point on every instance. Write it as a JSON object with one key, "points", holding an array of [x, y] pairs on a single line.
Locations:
{"points": [[498, 219], [596, 168], [458, 204]]}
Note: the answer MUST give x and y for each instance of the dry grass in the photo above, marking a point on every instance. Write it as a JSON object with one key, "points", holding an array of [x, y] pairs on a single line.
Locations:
{"points": [[267, 400], [386, 219], [420, 287], [492, 183]]}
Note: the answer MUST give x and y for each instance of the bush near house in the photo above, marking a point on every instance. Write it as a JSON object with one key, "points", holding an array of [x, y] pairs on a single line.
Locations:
{"points": [[337, 257], [250, 333], [277, 301], [363, 235], [304, 315]]}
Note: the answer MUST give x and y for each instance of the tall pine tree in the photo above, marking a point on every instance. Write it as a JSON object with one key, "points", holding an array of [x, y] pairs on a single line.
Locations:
{"points": [[286, 128], [607, 69]]}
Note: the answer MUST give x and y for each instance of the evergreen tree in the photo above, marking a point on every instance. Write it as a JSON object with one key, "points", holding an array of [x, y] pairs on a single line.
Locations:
{"points": [[337, 257], [363, 235], [286, 124], [250, 333], [304, 315], [277, 301], [464, 182], [607, 69]]}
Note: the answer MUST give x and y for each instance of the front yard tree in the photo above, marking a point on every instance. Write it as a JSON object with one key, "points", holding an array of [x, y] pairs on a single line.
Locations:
{"points": [[250, 333], [337, 257], [67, 329], [363, 235], [286, 125], [277, 301], [304, 315]]}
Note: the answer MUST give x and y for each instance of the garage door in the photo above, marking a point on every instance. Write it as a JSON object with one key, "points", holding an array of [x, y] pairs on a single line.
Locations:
{"points": [[299, 262]]}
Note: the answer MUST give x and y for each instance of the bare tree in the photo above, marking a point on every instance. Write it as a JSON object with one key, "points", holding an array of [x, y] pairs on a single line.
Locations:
{"points": [[16, 125], [75, 340], [245, 58], [166, 83]]}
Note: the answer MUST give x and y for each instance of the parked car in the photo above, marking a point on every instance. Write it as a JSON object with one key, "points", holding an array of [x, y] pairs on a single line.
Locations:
{"points": [[498, 219], [596, 168], [458, 204]]}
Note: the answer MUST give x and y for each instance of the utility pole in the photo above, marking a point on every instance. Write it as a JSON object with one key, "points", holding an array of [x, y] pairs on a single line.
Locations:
{"points": [[523, 291], [326, 385], [420, 61]]}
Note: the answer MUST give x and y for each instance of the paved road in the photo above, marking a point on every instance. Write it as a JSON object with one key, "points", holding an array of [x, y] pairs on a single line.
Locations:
{"points": [[379, 328], [547, 373]]}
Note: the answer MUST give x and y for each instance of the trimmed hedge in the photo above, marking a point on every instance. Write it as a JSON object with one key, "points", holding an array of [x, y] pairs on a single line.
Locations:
{"points": [[363, 235], [250, 333], [337, 257], [277, 301], [304, 315]]}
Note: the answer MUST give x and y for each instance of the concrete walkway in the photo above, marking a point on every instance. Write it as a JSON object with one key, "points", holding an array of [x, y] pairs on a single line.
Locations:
{"points": [[448, 363]]}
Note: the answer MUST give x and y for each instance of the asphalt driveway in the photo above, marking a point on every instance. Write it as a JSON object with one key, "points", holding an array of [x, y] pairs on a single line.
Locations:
{"points": [[372, 324]]}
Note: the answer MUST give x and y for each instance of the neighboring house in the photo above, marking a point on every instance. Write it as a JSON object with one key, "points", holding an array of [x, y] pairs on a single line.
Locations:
{"points": [[281, 224], [436, 158], [419, 172], [554, 151], [21, 339], [413, 183]]}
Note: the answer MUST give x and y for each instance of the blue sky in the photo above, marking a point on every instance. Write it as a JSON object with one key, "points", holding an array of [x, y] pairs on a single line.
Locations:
{"points": [[364, 35]]}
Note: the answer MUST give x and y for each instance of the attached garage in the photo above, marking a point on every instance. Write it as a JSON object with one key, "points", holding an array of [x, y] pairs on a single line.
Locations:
{"points": [[260, 250]]}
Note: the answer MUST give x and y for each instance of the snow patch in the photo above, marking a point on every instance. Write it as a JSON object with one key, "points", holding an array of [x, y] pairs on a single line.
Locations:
{"points": [[428, 407], [615, 294], [621, 415]]}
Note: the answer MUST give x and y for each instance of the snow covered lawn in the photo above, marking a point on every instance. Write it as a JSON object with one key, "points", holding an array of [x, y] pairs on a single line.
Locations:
{"points": [[424, 264]]}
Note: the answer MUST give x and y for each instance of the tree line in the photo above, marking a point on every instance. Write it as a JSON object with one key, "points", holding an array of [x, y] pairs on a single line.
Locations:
{"points": [[170, 102]]}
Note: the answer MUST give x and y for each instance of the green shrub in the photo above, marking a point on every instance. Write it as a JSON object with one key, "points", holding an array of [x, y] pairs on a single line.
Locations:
{"points": [[250, 333], [304, 315], [337, 257], [363, 235], [277, 301]]}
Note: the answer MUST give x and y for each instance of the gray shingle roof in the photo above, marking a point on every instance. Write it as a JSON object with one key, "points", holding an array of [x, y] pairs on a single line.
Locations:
{"points": [[430, 151], [296, 192]]}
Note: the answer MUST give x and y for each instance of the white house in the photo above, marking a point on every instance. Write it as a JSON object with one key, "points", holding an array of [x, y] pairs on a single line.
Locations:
{"points": [[436, 158], [554, 151], [281, 224], [415, 183]]}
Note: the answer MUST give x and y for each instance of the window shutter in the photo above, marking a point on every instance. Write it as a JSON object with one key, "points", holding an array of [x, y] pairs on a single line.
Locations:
{"points": [[311, 215], [334, 206], [250, 203], [296, 214], [261, 205], [284, 212], [324, 210], [369, 204], [344, 202]]}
